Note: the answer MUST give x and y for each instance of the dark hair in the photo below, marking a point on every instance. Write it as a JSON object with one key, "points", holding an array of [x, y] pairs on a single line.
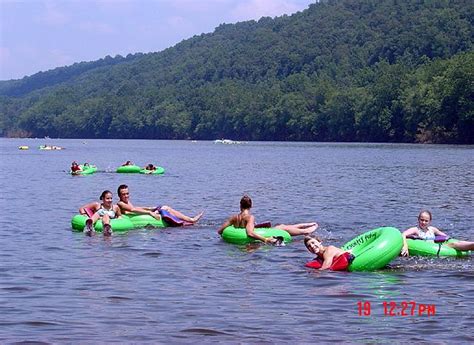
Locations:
{"points": [[245, 202], [119, 189], [426, 211], [307, 238], [105, 192]]}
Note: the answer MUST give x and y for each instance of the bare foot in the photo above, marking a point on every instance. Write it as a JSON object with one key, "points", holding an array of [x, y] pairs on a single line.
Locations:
{"points": [[309, 230], [107, 230], [196, 218], [307, 225]]}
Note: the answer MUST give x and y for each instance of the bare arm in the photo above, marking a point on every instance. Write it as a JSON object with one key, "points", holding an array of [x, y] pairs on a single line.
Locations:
{"points": [[227, 223], [140, 210], [93, 206], [250, 227], [117, 210], [438, 232], [408, 232]]}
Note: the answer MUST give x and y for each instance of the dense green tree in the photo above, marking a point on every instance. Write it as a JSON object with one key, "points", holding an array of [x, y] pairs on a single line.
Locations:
{"points": [[342, 70]]}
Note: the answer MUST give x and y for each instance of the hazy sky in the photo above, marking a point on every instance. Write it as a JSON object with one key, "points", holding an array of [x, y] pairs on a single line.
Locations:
{"points": [[38, 35]]}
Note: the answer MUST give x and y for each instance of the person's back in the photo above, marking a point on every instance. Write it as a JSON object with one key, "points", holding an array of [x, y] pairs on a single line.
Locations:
{"points": [[241, 219]]}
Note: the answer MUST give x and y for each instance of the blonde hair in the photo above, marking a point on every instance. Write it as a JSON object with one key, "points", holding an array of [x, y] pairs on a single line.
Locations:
{"points": [[427, 212]]}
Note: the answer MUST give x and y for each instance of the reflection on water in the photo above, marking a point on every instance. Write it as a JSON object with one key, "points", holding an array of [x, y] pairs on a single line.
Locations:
{"points": [[185, 285]]}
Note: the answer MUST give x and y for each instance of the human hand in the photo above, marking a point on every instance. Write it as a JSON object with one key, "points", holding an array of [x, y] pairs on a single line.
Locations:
{"points": [[155, 215], [404, 251], [270, 240]]}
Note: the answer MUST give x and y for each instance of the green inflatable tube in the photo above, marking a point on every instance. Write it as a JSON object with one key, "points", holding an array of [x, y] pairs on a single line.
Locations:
{"points": [[431, 248], [239, 235], [157, 171], [121, 224], [144, 220], [86, 170], [129, 169], [374, 249]]}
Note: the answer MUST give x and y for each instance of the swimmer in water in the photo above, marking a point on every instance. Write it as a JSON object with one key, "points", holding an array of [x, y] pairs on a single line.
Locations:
{"points": [[246, 220], [425, 231]]}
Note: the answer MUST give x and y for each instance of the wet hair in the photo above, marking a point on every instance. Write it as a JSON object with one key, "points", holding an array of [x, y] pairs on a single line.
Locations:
{"points": [[104, 193], [245, 202], [120, 188], [427, 212], [308, 238]]}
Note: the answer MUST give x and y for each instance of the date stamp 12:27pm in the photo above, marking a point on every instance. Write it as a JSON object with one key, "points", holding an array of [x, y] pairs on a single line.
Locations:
{"points": [[392, 308]]}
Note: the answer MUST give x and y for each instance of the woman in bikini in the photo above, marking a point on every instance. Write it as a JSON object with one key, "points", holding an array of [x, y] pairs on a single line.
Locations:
{"points": [[425, 231], [105, 211]]}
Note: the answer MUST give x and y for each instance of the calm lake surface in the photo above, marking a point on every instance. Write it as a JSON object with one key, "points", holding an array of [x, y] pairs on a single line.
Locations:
{"points": [[185, 285]]}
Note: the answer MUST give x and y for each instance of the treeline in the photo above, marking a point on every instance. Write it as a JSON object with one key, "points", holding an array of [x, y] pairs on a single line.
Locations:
{"points": [[342, 70]]}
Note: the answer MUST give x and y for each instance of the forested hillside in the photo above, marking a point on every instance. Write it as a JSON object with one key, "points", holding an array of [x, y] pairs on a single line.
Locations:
{"points": [[342, 70]]}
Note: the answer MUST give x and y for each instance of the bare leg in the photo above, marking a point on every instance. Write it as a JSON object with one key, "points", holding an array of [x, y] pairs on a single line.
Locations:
{"points": [[89, 228], [105, 219], [181, 215], [95, 217], [462, 245], [298, 229], [306, 225], [107, 229]]}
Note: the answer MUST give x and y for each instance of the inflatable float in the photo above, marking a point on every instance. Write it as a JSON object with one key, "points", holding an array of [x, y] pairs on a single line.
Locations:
{"points": [[157, 171], [130, 221], [85, 170], [436, 247], [235, 235], [23, 147], [374, 249], [78, 222], [49, 147], [129, 169]]}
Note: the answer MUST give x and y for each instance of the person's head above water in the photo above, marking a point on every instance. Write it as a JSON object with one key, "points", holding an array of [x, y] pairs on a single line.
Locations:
{"points": [[313, 244], [106, 197], [424, 219], [245, 203], [122, 192]]}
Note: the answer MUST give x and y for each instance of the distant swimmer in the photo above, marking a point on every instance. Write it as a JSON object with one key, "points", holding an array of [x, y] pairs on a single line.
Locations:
{"points": [[149, 168], [127, 163], [246, 220], [75, 168], [425, 231]]}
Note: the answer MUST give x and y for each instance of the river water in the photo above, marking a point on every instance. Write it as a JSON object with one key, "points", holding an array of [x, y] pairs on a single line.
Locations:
{"points": [[185, 285]]}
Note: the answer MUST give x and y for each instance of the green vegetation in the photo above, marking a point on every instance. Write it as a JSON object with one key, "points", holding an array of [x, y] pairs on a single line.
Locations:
{"points": [[342, 70]]}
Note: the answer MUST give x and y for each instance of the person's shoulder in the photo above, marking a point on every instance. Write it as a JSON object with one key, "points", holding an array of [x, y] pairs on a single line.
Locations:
{"points": [[412, 229], [248, 216], [332, 249], [233, 218]]}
